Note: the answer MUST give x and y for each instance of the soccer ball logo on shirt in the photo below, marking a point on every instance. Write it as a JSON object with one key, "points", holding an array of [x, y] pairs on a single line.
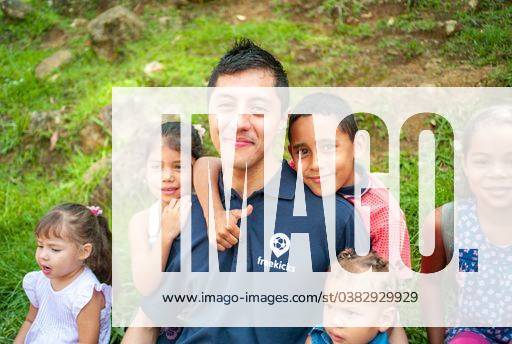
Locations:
{"points": [[280, 244]]}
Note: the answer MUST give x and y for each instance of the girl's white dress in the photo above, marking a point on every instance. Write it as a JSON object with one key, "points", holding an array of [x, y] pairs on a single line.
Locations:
{"points": [[56, 320]]}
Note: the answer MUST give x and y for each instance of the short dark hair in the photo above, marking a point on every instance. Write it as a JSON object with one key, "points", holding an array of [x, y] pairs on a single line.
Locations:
{"points": [[325, 104], [245, 55]]}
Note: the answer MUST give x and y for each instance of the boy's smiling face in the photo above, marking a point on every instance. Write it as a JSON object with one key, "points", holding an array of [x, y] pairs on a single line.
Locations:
{"points": [[308, 149]]}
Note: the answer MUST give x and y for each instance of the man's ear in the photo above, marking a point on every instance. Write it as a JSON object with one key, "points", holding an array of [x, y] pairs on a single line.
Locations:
{"points": [[86, 251]]}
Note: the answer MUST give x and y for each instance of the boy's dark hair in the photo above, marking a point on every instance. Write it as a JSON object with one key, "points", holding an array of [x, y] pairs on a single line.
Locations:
{"points": [[245, 55], [171, 134], [325, 104], [350, 261]]}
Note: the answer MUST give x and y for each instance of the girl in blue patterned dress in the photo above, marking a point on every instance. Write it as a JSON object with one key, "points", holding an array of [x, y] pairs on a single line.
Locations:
{"points": [[483, 231]]}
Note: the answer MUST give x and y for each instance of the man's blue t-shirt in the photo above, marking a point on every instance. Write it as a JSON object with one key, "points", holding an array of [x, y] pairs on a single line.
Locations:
{"points": [[312, 224]]}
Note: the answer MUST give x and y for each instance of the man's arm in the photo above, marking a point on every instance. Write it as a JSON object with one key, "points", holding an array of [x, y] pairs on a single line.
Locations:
{"points": [[25, 327]]}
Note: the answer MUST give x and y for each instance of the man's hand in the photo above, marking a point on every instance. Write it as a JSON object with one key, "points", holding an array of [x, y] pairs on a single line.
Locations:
{"points": [[228, 231]]}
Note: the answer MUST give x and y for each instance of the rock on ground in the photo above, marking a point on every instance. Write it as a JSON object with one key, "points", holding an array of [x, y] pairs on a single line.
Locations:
{"points": [[106, 117], [451, 26], [79, 23], [102, 192], [15, 9], [164, 21], [111, 29], [153, 67], [48, 65], [54, 38], [100, 165], [41, 121], [92, 138]]}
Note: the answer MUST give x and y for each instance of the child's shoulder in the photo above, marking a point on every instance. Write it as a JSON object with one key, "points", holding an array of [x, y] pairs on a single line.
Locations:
{"points": [[139, 222], [377, 189], [465, 206], [32, 279], [34, 274], [89, 288], [33, 284], [140, 217]]}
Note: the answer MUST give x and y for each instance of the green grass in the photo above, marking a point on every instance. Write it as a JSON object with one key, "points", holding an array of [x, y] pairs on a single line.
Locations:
{"points": [[486, 40], [363, 30], [399, 48], [34, 179], [485, 37], [410, 24]]}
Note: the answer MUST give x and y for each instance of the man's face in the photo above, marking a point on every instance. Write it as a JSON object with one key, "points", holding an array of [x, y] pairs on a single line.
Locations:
{"points": [[239, 110]]}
